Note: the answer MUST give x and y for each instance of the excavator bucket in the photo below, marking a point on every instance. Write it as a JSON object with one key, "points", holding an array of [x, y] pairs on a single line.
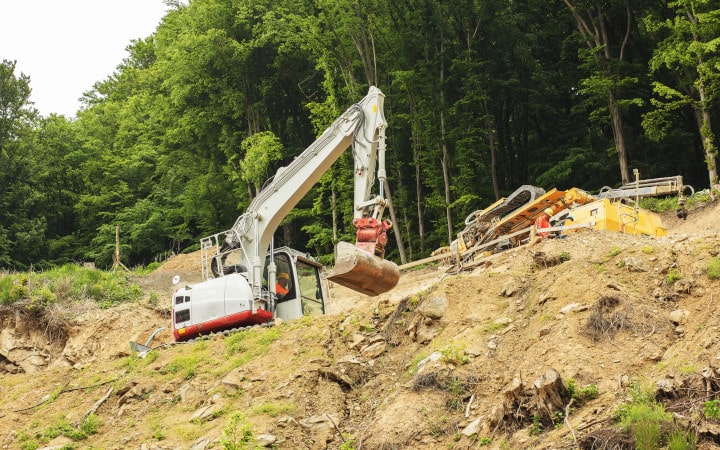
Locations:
{"points": [[363, 272]]}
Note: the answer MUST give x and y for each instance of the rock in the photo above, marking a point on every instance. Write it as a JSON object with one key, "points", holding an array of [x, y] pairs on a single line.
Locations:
{"points": [[433, 357], [320, 422], [356, 340], [472, 428], [569, 308], [232, 380], [434, 306], [205, 413], [135, 393], [503, 321], [190, 395], [200, 443], [509, 289], [634, 264], [679, 316], [265, 440], [374, 350]]}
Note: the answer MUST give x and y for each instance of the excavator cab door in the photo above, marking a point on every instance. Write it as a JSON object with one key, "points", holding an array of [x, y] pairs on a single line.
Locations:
{"points": [[305, 294]]}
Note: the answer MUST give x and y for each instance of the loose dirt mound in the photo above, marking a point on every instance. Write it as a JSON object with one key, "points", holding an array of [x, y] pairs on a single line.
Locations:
{"points": [[439, 362]]}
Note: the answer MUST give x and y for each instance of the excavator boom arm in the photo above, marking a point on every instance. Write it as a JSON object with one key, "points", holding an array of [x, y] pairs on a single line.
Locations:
{"points": [[361, 126]]}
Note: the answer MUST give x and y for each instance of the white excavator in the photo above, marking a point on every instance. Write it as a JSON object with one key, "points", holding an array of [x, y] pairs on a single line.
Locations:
{"points": [[249, 282]]}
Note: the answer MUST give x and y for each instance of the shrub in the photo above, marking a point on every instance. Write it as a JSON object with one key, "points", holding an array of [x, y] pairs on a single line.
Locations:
{"points": [[237, 434], [713, 270], [711, 409], [673, 275], [682, 440]]}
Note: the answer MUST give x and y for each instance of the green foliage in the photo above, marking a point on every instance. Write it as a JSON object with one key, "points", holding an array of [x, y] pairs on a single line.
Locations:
{"points": [[673, 275], [237, 434], [261, 150], [713, 269], [537, 426], [581, 394], [348, 444], [68, 284], [682, 440], [711, 409], [250, 344], [171, 146], [454, 354], [615, 251], [483, 441], [643, 416], [272, 409]]}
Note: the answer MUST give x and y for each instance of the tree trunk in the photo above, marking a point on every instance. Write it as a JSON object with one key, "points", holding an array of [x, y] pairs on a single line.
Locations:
{"points": [[705, 126], [491, 143], [333, 205], [398, 234], [443, 142], [595, 34], [619, 137]]}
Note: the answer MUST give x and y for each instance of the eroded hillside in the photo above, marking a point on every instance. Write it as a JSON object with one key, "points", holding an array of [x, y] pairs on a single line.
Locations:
{"points": [[479, 359]]}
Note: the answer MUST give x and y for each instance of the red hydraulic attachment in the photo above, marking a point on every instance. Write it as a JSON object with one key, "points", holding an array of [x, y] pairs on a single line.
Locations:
{"points": [[372, 235]]}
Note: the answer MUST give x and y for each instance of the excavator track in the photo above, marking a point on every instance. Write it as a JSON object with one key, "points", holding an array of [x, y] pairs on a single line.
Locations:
{"points": [[521, 196]]}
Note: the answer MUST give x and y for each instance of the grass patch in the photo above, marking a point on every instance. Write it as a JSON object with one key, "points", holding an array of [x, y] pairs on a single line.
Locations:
{"points": [[454, 354], [67, 284], [673, 275], [643, 417], [272, 409], [713, 269], [249, 344]]}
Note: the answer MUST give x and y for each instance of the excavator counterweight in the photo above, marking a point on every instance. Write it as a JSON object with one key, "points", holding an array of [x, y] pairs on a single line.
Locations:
{"points": [[362, 271]]}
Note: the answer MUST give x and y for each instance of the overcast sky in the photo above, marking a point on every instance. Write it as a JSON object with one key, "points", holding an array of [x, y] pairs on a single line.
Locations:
{"points": [[65, 46]]}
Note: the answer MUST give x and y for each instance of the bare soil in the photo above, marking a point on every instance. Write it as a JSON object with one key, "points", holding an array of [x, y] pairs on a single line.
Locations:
{"points": [[617, 309]]}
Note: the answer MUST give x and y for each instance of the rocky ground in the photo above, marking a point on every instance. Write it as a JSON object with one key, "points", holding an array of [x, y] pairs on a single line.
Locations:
{"points": [[442, 361]]}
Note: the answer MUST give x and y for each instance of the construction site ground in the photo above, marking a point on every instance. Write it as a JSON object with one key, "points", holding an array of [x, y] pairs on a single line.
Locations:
{"points": [[431, 364]]}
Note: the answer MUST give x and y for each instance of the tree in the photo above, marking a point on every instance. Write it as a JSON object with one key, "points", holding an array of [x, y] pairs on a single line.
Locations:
{"points": [[690, 51], [593, 22], [22, 225]]}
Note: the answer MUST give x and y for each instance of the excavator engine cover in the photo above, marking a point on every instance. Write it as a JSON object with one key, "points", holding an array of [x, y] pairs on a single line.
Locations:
{"points": [[362, 271]]}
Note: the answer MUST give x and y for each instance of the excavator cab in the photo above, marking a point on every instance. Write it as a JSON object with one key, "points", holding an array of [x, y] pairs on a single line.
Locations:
{"points": [[303, 293]]}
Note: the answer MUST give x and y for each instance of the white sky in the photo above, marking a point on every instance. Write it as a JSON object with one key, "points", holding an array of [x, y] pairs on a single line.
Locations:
{"points": [[65, 46]]}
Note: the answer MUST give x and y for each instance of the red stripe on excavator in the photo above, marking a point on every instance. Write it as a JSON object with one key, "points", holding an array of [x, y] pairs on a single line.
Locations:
{"points": [[240, 319]]}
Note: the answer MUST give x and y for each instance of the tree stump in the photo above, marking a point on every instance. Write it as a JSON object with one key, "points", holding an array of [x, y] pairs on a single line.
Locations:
{"points": [[552, 395]]}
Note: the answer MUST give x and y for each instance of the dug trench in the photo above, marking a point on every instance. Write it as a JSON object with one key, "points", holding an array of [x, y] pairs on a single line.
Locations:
{"points": [[540, 349]]}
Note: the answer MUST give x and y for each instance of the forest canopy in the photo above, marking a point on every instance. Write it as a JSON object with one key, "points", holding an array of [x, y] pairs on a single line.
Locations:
{"points": [[482, 96]]}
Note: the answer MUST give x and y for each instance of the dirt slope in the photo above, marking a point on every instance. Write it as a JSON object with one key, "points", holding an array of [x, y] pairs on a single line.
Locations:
{"points": [[439, 362]]}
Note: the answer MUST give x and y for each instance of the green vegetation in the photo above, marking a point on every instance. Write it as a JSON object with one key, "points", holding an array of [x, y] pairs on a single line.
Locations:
{"points": [[237, 434], [246, 345], [615, 251], [711, 409], [643, 416], [198, 115], [713, 270], [537, 426], [666, 204], [348, 444], [648, 250], [272, 409], [581, 394], [31, 440], [454, 354], [673, 275], [682, 440], [66, 285]]}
